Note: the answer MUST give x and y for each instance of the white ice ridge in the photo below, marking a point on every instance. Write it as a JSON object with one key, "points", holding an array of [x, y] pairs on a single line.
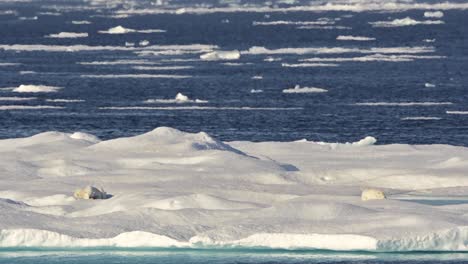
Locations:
{"points": [[403, 103], [28, 107], [65, 100], [374, 57], [81, 22], [407, 21], [421, 118], [180, 98], [123, 30], [68, 35], [201, 108], [175, 189], [157, 49], [337, 50], [29, 88], [16, 98], [352, 6], [457, 112], [295, 23], [161, 68], [135, 76], [434, 14], [298, 89], [307, 65], [221, 55], [355, 38]]}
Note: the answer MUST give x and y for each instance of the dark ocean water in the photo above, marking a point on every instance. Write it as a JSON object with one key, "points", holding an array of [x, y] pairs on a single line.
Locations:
{"points": [[223, 257], [331, 116]]}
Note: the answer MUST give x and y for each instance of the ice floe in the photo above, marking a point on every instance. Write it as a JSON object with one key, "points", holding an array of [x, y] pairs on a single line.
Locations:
{"points": [[209, 108], [190, 190], [179, 98], [404, 103], [298, 89], [28, 107], [355, 38], [254, 91], [135, 76], [161, 68], [68, 35], [65, 100], [81, 22], [221, 55], [434, 14], [295, 23], [123, 30], [421, 118], [457, 112], [407, 21], [29, 88], [308, 65], [337, 50], [375, 57], [15, 98]]}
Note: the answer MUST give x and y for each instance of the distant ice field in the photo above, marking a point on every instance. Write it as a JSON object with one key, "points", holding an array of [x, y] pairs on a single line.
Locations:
{"points": [[374, 87]]}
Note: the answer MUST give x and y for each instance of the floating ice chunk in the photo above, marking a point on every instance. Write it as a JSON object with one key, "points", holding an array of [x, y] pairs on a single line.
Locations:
{"points": [[435, 14], [15, 98], [272, 59], [135, 76], [65, 100], [374, 57], [144, 43], [297, 23], [221, 55], [405, 22], [129, 44], [456, 112], [28, 107], [355, 38], [28, 18], [28, 88], [180, 98], [418, 118], [255, 50], [372, 194], [298, 89], [308, 65], [254, 91], [257, 77], [123, 30], [161, 68], [68, 35], [429, 85], [404, 104], [81, 22]]}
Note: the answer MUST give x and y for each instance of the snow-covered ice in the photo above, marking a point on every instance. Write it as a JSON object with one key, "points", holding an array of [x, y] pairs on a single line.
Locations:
{"points": [[175, 189]]}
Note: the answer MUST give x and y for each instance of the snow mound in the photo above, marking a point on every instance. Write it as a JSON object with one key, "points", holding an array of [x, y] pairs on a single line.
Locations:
{"points": [[68, 35], [407, 21], [28, 88], [180, 98], [298, 89], [199, 201], [85, 136], [163, 139], [221, 55]]}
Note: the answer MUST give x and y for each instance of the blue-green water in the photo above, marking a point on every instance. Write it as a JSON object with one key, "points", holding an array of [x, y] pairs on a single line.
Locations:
{"points": [[224, 256]]}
